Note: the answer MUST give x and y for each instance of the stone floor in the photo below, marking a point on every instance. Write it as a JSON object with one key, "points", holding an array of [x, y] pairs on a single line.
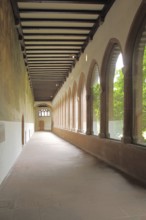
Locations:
{"points": [[54, 180]]}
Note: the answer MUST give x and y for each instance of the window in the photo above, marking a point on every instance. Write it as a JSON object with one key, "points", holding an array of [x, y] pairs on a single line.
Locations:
{"points": [[44, 112], [95, 91], [81, 104], [75, 106], [83, 109], [139, 85], [115, 94]]}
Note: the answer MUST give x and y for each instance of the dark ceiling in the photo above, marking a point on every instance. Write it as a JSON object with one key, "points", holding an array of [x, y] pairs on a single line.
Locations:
{"points": [[53, 35]]}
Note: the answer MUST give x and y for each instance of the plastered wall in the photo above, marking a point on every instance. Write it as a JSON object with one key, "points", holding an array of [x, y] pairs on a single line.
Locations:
{"points": [[128, 158], [16, 98]]}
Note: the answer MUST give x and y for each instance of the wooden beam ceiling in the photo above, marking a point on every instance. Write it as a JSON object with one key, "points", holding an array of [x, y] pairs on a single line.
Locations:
{"points": [[53, 35]]}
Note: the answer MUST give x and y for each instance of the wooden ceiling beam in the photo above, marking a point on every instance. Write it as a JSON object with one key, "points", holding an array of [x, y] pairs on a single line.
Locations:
{"points": [[98, 22], [49, 68], [49, 62], [48, 41], [61, 11], [41, 50], [60, 20], [52, 34], [48, 78], [43, 73], [46, 47], [18, 23], [38, 28], [47, 74], [48, 65], [66, 2]]}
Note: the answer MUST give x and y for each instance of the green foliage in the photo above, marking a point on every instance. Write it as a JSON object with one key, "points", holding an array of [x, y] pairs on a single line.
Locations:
{"points": [[118, 95], [96, 101]]}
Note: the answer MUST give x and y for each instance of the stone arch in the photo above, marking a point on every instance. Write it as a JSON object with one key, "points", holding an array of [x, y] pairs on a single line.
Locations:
{"points": [[89, 129], [133, 87], [89, 76], [113, 43], [81, 83]]}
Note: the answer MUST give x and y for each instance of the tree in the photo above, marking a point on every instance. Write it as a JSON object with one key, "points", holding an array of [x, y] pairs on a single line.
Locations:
{"points": [[118, 95], [96, 101]]}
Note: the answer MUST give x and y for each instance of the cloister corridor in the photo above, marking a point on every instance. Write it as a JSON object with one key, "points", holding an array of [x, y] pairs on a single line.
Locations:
{"points": [[54, 180]]}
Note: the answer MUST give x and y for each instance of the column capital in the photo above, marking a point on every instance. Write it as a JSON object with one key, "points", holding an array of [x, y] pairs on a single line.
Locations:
{"points": [[102, 135]]}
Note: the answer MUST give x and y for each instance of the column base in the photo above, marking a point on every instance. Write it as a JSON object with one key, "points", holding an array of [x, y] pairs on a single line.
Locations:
{"points": [[126, 140], [79, 130], [89, 132]]}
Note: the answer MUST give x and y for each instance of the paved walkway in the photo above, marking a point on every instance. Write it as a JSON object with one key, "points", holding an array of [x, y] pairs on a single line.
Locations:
{"points": [[53, 180]]}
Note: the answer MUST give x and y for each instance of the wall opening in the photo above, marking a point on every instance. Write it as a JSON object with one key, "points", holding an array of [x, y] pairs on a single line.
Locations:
{"points": [[115, 93]]}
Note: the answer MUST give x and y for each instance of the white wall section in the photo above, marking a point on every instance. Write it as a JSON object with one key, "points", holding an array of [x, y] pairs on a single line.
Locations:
{"points": [[11, 147]]}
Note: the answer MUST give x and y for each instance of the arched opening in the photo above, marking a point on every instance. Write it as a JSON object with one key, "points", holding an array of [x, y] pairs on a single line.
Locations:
{"points": [[95, 97], [134, 57], [115, 93], [139, 85]]}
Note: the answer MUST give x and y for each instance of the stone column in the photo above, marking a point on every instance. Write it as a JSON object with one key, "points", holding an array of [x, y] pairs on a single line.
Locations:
{"points": [[79, 114], [73, 112], [89, 115], [128, 105], [103, 111], [69, 112]]}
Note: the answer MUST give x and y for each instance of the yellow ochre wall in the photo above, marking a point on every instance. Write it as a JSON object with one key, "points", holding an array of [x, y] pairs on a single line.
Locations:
{"points": [[16, 98]]}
